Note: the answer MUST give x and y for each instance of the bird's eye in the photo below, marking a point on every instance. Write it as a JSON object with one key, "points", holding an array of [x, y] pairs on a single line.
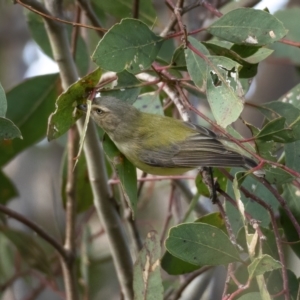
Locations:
{"points": [[99, 111]]}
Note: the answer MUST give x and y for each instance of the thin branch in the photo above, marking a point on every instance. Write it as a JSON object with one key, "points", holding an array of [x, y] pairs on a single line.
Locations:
{"points": [[289, 42], [211, 8], [275, 228], [39, 9], [75, 33], [173, 20], [136, 9], [70, 237], [89, 12], [36, 228]]}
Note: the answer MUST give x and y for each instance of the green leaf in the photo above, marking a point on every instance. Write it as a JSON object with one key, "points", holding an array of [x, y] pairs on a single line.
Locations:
{"points": [[291, 114], [123, 9], [178, 58], [197, 66], [292, 96], [29, 249], [292, 158], [201, 244], [292, 197], [166, 48], [263, 264], [83, 188], [3, 102], [290, 18], [147, 282], [275, 284], [251, 296], [247, 26], [256, 211], [252, 54], [176, 266], [275, 131], [277, 176], [202, 187], [149, 103], [247, 71], [7, 261], [38, 31], [224, 90], [129, 45], [127, 89], [269, 246], [215, 219], [8, 130], [66, 114], [125, 171], [38, 95], [7, 189]]}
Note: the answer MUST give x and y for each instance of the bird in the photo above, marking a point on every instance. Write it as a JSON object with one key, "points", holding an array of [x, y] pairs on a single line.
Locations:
{"points": [[162, 145]]}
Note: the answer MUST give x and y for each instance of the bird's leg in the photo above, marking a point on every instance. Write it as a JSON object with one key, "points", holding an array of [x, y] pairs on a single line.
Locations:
{"points": [[208, 180]]}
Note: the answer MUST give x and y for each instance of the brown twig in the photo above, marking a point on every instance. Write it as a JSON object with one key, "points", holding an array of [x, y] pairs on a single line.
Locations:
{"points": [[46, 14], [89, 12], [275, 228], [75, 32], [136, 9], [70, 237], [211, 8], [36, 228], [289, 42]]}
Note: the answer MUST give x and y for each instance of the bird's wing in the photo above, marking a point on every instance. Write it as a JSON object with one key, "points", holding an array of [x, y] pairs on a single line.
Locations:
{"points": [[200, 149]]}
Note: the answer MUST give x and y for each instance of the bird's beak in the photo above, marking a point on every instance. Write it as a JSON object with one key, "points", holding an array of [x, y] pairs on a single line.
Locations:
{"points": [[82, 107]]}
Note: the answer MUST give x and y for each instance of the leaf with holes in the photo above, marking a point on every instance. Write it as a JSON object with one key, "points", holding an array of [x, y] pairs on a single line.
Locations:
{"points": [[224, 90], [129, 45]]}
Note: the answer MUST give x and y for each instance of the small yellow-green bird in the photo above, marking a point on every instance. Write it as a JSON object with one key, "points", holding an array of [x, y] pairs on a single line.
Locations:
{"points": [[162, 145]]}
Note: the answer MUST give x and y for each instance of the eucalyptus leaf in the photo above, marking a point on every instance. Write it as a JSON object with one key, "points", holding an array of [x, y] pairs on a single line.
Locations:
{"points": [[149, 103], [3, 102], [125, 171], [224, 90], [8, 130], [263, 264], [196, 65], [290, 18], [147, 281], [129, 45], [240, 26], [201, 244], [7, 189], [66, 113], [127, 88], [29, 103]]}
